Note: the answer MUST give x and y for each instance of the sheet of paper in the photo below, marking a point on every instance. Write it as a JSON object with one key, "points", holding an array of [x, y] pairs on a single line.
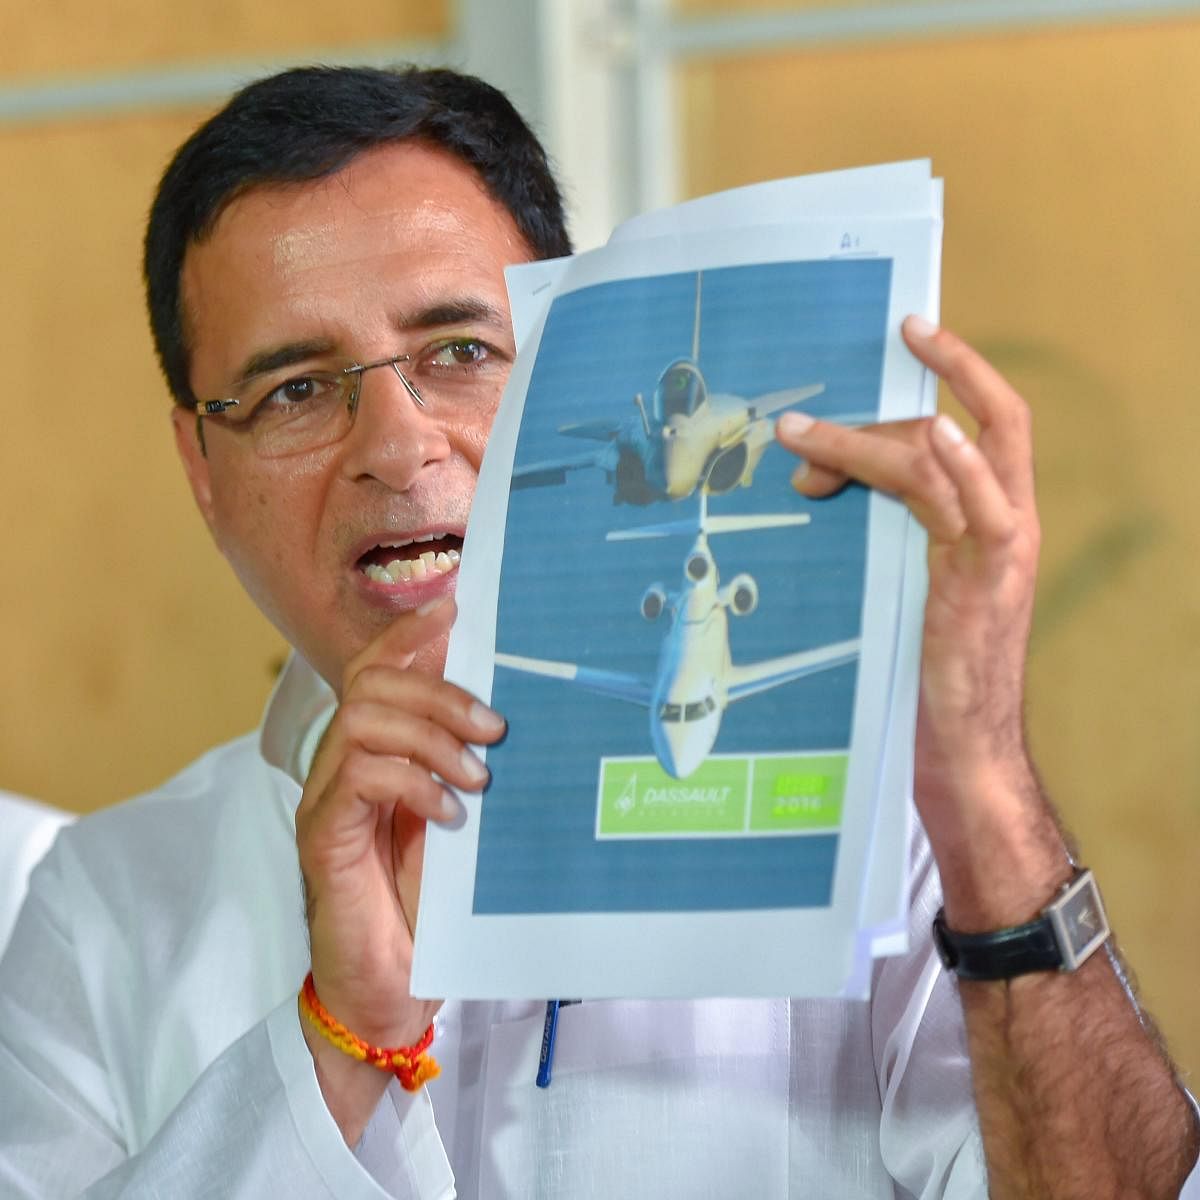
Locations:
{"points": [[893, 190], [907, 189], [639, 840]]}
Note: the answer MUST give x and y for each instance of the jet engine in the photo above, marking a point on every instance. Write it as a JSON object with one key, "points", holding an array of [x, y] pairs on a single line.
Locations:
{"points": [[740, 595], [725, 469], [654, 600]]}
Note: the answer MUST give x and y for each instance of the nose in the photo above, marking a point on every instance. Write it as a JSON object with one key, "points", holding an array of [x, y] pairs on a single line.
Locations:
{"points": [[393, 438]]}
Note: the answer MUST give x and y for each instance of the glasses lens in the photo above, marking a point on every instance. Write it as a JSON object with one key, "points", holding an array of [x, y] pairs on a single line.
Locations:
{"points": [[304, 413]]}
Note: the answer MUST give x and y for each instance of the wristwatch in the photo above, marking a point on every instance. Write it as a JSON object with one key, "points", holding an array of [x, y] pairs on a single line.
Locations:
{"points": [[1069, 930]]}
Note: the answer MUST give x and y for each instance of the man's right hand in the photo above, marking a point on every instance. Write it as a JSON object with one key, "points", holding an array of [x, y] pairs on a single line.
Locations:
{"points": [[360, 830]]}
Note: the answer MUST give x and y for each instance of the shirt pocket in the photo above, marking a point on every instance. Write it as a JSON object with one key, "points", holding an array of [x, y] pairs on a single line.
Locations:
{"points": [[648, 1099]]}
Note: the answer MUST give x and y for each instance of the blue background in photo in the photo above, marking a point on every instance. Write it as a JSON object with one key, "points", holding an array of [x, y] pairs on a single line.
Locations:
{"points": [[567, 594]]}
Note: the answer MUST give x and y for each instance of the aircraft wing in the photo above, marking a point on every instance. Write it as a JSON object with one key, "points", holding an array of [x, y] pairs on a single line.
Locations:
{"points": [[708, 524], [858, 418], [772, 672], [597, 431], [762, 406], [762, 430], [614, 684], [554, 470]]}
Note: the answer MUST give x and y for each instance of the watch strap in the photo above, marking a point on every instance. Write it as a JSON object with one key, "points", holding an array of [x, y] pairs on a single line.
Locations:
{"points": [[1002, 954], [1067, 932]]}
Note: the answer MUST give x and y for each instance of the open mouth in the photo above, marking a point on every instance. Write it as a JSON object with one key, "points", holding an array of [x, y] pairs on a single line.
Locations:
{"points": [[412, 559]]}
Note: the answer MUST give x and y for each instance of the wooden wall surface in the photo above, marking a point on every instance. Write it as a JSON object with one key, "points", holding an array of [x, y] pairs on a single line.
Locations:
{"points": [[1072, 257], [78, 37]]}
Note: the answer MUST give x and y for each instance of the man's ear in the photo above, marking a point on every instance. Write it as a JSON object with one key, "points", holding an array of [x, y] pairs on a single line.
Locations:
{"points": [[188, 441]]}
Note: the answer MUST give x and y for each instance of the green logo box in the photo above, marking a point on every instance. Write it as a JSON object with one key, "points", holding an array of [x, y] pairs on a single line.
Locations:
{"points": [[726, 796]]}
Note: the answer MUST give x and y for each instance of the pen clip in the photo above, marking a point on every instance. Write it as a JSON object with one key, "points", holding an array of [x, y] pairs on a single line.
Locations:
{"points": [[549, 1034]]}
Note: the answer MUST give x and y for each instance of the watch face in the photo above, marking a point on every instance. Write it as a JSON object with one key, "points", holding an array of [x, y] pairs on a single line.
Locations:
{"points": [[1079, 920]]}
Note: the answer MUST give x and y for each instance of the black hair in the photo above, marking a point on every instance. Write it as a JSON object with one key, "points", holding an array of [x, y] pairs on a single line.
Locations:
{"points": [[310, 122]]}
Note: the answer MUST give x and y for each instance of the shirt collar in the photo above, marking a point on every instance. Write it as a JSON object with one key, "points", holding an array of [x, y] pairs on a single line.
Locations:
{"points": [[297, 715]]}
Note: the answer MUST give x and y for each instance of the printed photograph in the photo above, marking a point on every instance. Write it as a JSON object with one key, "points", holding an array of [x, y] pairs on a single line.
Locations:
{"points": [[678, 631]]}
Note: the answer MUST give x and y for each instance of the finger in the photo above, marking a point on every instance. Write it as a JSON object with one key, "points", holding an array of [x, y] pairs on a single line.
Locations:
{"points": [[380, 709], [1003, 416], [382, 730], [397, 646], [341, 820], [388, 794], [816, 481], [895, 459], [811, 479], [446, 704], [377, 782], [985, 505], [808, 478]]}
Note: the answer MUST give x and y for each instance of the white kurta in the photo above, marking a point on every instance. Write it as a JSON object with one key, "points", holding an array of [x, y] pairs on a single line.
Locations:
{"points": [[26, 831], [150, 1043]]}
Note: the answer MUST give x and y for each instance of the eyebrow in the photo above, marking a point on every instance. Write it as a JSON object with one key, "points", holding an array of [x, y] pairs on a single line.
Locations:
{"points": [[287, 355], [452, 312]]}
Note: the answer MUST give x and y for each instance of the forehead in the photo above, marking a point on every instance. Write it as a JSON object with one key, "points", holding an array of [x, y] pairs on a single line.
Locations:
{"points": [[402, 227]]}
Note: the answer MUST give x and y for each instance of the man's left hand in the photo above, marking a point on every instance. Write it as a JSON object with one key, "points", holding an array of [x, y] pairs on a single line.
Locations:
{"points": [[974, 783]]}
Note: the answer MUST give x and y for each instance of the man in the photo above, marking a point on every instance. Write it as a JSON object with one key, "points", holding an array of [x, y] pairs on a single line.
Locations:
{"points": [[324, 266]]}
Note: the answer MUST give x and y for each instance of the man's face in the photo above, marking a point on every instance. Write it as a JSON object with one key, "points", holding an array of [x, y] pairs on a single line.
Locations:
{"points": [[402, 252]]}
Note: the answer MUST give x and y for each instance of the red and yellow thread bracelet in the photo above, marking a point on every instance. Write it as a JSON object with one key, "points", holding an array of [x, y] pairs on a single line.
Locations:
{"points": [[412, 1065]]}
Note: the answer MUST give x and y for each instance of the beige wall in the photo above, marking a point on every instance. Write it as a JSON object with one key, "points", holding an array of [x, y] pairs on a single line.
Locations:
{"points": [[721, 8], [75, 37], [126, 646], [1072, 256]]}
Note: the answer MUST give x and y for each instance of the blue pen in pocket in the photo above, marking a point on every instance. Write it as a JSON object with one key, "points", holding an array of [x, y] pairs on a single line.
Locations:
{"points": [[549, 1033]]}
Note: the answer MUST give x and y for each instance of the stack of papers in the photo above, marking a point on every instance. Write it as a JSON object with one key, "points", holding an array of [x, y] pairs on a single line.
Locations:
{"points": [[710, 681]]}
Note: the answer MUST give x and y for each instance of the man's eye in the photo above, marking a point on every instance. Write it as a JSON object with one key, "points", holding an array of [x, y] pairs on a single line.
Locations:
{"points": [[461, 352], [303, 390]]}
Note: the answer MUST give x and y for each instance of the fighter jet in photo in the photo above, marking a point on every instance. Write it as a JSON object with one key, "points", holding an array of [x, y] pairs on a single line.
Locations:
{"points": [[687, 438], [696, 679]]}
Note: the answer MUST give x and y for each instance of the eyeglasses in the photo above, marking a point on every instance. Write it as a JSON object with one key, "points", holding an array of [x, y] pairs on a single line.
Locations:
{"points": [[305, 412]]}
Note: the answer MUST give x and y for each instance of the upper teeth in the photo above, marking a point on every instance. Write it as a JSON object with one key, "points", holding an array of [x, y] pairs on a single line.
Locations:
{"points": [[426, 564]]}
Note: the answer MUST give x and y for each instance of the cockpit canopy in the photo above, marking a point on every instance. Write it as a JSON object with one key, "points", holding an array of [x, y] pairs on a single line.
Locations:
{"points": [[680, 390], [672, 714]]}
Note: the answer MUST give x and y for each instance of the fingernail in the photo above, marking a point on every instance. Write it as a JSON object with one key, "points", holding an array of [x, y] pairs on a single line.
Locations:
{"points": [[471, 765], [949, 428], [919, 327], [800, 472], [452, 808], [485, 719], [430, 605], [795, 423]]}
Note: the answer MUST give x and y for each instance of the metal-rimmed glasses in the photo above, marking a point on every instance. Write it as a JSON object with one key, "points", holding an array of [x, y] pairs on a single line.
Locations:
{"points": [[306, 412]]}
